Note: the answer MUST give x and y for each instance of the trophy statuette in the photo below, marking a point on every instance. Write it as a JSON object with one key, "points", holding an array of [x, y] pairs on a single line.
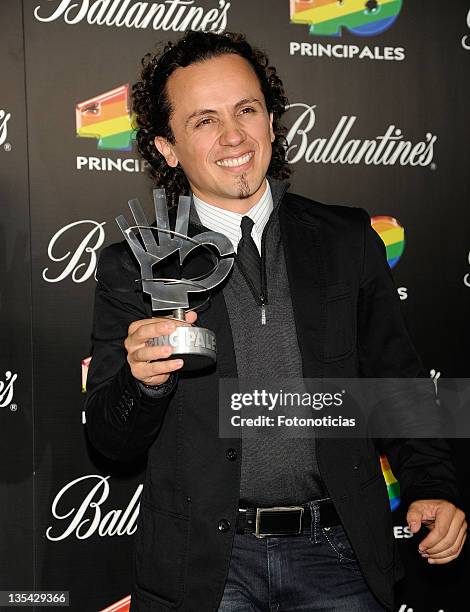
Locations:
{"points": [[195, 345]]}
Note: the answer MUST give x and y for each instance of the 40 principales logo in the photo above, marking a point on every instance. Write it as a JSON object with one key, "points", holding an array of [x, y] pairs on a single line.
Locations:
{"points": [[393, 236], [106, 118], [360, 17]]}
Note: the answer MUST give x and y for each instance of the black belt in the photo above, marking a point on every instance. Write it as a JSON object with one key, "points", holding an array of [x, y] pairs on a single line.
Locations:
{"points": [[285, 520]]}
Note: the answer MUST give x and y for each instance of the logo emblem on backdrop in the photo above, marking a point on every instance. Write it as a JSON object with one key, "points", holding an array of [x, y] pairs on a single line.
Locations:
{"points": [[393, 486], [91, 517], [4, 118], [466, 37], [466, 278], [80, 264], [341, 147], [85, 367], [360, 17], [176, 15], [393, 236], [6, 388], [107, 118], [123, 605]]}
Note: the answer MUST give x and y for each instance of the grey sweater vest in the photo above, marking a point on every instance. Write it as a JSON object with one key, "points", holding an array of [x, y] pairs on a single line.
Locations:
{"points": [[277, 468]]}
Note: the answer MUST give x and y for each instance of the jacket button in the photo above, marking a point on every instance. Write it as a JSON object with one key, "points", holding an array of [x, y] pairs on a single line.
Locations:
{"points": [[223, 525], [231, 454]]}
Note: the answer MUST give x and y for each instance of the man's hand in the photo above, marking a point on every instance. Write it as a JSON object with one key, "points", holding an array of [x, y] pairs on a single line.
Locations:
{"points": [[146, 361], [447, 525]]}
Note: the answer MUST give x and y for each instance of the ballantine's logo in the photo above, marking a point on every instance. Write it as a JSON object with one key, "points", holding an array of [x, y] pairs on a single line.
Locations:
{"points": [[466, 37], [6, 389], [466, 278], [79, 270], [4, 118], [387, 150], [328, 17], [176, 15], [89, 518], [107, 118], [393, 236]]}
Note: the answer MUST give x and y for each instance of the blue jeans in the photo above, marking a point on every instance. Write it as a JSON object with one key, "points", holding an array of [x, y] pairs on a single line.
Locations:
{"points": [[315, 570]]}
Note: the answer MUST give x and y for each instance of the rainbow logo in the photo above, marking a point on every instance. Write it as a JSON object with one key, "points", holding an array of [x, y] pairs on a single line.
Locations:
{"points": [[393, 486], [107, 118], [393, 236], [328, 17]]}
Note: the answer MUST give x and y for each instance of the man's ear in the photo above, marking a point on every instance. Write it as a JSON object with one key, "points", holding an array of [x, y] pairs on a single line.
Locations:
{"points": [[271, 131], [165, 148]]}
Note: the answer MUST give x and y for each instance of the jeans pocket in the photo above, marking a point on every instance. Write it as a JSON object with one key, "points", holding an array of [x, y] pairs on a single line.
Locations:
{"points": [[337, 539], [233, 600]]}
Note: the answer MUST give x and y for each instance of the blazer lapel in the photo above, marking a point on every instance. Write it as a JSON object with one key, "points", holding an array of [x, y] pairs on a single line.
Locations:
{"points": [[307, 281]]}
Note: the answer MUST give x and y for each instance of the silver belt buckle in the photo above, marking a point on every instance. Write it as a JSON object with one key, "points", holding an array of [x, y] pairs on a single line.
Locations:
{"points": [[259, 511]]}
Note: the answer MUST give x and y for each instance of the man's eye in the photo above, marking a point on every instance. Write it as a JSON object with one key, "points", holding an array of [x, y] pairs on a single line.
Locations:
{"points": [[204, 122], [249, 109]]}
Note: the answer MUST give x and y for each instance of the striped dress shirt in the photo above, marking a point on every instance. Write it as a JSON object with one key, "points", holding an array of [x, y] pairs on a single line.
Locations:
{"points": [[228, 222]]}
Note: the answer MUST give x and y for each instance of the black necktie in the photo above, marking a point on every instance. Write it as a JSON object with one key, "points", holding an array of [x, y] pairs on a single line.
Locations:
{"points": [[248, 255]]}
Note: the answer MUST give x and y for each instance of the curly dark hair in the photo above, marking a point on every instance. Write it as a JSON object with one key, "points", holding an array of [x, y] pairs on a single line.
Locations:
{"points": [[152, 108]]}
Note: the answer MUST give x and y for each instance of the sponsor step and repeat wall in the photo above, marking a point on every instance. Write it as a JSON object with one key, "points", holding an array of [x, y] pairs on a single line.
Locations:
{"points": [[378, 94]]}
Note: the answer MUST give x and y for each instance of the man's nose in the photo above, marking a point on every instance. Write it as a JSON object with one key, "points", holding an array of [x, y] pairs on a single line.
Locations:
{"points": [[232, 133]]}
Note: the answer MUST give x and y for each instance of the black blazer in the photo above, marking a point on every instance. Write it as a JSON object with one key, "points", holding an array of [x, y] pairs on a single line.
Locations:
{"points": [[349, 323]]}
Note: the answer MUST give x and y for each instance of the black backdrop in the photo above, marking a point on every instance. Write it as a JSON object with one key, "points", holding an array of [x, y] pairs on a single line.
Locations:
{"points": [[398, 73]]}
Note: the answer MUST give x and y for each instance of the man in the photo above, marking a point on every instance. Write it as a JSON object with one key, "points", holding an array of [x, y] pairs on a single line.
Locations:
{"points": [[318, 302]]}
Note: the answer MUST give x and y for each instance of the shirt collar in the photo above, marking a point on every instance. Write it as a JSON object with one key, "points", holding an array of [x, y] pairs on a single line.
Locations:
{"points": [[228, 222]]}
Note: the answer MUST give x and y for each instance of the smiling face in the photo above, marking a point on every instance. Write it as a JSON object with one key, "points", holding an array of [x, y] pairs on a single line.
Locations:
{"points": [[223, 132]]}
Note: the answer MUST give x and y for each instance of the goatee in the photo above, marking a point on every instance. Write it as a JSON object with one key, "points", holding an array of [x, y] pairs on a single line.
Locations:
{"points": [[243, 187]]}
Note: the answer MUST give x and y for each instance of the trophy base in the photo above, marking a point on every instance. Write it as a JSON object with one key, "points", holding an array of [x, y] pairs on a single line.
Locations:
{"points": [[195, 345]]}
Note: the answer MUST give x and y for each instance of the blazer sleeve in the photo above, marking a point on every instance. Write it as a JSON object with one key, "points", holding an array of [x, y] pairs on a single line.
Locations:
{"points": [[423, 466], [122, 419]]}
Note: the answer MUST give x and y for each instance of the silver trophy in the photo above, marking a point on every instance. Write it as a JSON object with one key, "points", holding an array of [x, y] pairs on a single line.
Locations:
{"points": [[196, 345]]}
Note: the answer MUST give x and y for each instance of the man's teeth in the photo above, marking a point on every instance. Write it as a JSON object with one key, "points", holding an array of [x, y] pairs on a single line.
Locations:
{"points": [[235, 161]]}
